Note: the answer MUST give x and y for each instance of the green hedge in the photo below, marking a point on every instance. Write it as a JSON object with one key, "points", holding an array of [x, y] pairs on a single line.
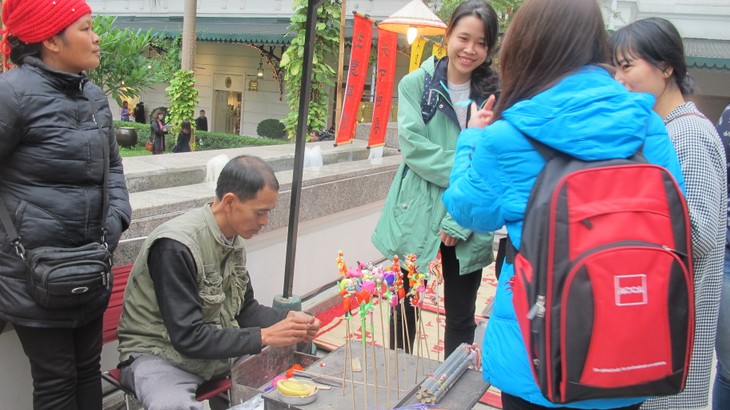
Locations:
{"points": [[271, 128], [206, 140], [220, 140]]}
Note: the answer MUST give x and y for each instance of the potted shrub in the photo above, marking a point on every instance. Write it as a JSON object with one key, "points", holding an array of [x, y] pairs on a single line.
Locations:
{"points": [[271, 128]]}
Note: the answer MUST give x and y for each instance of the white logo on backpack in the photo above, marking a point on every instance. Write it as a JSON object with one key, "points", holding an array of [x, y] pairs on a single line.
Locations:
{"points": [[631, 290]]}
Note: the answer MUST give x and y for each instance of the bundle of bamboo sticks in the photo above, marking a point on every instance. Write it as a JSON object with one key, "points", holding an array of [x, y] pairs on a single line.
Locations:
{"points": [[443, 378]]}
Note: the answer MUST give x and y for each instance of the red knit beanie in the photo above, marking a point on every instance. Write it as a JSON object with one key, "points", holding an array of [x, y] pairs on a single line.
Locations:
{"points": [[33, 21]]}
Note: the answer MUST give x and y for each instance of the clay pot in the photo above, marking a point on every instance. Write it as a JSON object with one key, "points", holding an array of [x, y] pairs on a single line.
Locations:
{"points": [[126, 137]]}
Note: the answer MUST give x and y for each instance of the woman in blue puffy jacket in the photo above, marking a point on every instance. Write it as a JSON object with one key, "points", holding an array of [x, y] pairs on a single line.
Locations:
{"points": [[556, 90]]}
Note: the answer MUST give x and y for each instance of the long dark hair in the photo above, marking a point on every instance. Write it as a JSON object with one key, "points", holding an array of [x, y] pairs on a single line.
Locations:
{"points": [[657, 41], [484, 80], [547, 40]]}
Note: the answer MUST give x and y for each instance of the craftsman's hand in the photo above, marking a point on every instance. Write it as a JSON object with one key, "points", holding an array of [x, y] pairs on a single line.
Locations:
{"points": [[312, 323], [296, 327], [480, 118], [447, 239]]}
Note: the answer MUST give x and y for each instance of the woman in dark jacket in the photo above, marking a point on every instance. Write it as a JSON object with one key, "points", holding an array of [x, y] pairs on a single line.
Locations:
{"points": [[183, 138], [139, 115], [53, 123], [158, 131]]}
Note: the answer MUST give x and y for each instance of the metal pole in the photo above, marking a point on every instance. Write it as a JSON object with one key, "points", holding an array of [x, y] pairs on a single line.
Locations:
{"points": [[301, 139]]}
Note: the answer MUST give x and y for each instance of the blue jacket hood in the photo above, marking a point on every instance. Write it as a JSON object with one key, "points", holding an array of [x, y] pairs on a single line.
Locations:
{"points": [[577, 116]]}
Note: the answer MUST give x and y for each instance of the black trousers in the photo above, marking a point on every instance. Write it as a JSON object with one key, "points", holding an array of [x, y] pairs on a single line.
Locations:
{"points": [[158, 144], [510, 402], [65, 366], [460, 295]]}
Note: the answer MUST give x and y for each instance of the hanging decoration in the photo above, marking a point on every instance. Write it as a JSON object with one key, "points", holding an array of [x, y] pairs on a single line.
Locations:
{"points": [[417, 53], [385, 82], [362, 39], [438, 51]]}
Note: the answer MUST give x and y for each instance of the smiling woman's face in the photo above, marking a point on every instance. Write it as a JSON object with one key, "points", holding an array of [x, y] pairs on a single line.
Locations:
{"points": [[467, 49], [638, 75]]}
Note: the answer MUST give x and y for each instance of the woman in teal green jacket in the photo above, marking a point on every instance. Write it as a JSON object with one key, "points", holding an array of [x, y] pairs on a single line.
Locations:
{"points": [[433, 104]]}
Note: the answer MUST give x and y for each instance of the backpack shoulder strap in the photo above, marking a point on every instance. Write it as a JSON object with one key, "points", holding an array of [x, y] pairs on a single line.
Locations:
{"points": [[429, 99], [546, 151], [549, 152]]}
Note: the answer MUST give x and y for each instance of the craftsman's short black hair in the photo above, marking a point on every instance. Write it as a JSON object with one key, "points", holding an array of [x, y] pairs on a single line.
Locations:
{"points": [[245, 176]]}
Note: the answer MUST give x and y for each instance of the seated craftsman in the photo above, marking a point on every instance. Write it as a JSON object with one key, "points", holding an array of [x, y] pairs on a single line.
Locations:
{"points": [[189, 306]]}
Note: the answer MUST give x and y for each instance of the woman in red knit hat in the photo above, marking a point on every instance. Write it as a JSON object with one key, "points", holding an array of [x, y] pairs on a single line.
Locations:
{"points": [[56, 142]]}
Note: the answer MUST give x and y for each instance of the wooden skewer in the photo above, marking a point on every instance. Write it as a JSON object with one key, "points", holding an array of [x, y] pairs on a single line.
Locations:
{"points": [[417, 335], [395, 349], [438, 323], [375, 364], [352, 376], [425, 339], [344, 362], [385, 354], [363, 337]]}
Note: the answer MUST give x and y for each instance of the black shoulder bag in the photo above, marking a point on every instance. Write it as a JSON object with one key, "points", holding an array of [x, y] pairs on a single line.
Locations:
{"points": [[61, 278]]}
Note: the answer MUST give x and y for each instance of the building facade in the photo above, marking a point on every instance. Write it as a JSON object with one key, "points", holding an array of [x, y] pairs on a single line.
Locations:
{"points": [[236, 37]]}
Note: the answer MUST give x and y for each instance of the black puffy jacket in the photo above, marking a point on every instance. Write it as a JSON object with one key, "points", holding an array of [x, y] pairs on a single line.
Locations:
{"points": [[52, 127]]}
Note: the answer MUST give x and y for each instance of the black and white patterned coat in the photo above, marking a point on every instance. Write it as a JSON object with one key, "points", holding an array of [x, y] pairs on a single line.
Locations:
{"points": [[702, 158]]}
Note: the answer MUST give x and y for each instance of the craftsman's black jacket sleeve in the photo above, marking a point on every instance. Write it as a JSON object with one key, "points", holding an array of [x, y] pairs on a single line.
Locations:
{"points": [[173, 273], [255, 315]]}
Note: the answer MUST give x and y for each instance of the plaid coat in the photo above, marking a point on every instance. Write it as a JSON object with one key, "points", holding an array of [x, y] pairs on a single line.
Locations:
{"points": [[703, 163]]}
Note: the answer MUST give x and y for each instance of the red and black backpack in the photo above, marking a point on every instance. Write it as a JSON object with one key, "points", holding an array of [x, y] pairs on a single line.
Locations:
{"points": [[603, 286]]}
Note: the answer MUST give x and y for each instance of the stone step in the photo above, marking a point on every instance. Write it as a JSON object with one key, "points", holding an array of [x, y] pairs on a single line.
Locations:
{"points": [[146, 173], [345, 181]]}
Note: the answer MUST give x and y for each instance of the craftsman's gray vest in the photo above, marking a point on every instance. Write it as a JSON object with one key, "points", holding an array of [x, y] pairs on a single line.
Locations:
{"points": [[222, 280]]}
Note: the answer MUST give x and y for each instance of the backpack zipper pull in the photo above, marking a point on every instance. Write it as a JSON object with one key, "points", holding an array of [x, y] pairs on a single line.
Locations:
{"points": [[538, 309]]}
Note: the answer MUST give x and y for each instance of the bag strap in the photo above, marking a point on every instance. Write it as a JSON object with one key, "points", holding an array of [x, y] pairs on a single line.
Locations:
{"points": [[506, 250], [104, 193], [687, 114], [15, 239]]}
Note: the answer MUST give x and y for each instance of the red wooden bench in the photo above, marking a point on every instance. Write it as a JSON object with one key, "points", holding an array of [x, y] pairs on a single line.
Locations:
{"points": [[112, 315]]}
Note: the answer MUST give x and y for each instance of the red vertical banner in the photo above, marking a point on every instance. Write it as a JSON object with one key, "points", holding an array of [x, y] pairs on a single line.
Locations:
{"points": [[362, 40], [384, 83]]}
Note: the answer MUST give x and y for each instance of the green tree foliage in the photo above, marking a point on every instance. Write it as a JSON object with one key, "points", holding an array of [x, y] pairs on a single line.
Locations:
{"points": [[505, 9], [169, 55], [183, 98], [323, 75], [124, 69]]}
